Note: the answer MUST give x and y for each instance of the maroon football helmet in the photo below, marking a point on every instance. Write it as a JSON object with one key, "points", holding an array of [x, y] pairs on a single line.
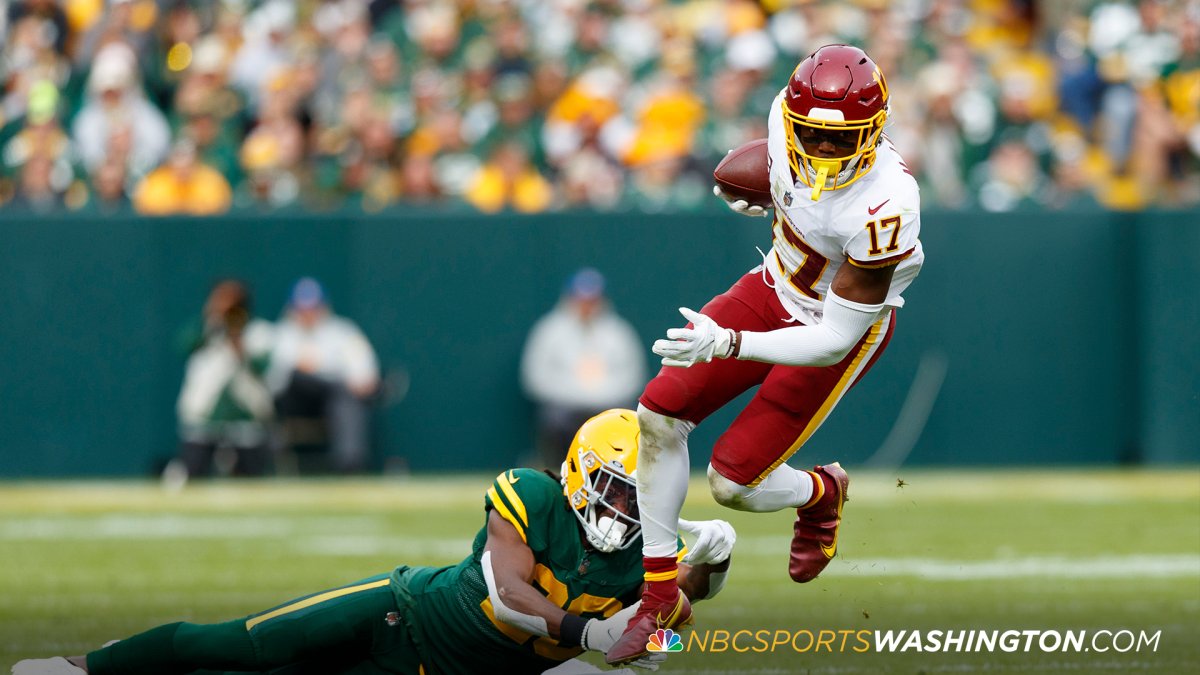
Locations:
{"points": [[837, 98]]}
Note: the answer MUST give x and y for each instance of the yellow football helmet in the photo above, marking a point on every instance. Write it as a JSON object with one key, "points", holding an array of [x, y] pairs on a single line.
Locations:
{"points": [[599, 478]]}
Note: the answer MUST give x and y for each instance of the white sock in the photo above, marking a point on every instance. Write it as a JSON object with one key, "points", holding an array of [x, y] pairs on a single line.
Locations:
{"points": [[662, 476], [783, 488]]}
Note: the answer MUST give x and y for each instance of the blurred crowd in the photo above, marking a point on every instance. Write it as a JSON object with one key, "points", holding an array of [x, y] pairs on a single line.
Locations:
{"points": [[198, 107]]}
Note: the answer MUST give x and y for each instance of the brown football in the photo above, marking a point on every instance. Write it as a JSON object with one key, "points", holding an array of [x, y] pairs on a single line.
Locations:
{"points": [[742, 174]]}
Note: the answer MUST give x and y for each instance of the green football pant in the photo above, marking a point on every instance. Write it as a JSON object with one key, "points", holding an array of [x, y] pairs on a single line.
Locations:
{"points": [[352, 630]]}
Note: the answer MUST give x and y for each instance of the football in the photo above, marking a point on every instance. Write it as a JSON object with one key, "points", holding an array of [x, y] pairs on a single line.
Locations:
{"points": [[742, 174]]}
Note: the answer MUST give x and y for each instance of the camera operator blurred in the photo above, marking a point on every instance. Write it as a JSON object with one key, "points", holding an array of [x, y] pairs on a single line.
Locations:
{"points": [[225, 409], [324, 368]]}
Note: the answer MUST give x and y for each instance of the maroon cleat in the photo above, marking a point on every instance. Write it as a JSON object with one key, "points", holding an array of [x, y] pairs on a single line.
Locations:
{"points": [[634, 641], [815, 540]]}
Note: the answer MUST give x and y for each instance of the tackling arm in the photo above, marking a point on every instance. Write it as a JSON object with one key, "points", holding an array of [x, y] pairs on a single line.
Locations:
{"points": [[703, 581], [508, 568], [703, 569]]}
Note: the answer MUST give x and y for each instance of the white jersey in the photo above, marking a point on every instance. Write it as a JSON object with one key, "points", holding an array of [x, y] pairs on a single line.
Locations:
{"points": [[873, 222]]}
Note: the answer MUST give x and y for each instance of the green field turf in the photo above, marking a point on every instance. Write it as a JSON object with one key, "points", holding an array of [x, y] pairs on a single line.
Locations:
{"points": [[87, 562]]}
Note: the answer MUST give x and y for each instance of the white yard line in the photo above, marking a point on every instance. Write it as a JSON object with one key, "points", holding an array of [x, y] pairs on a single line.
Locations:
{"points": [[357, 535], [1097, 567], [178, 526]]}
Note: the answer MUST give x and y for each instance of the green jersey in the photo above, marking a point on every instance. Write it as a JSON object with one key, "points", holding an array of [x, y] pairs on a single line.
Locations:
{"points": [[459, 631]]}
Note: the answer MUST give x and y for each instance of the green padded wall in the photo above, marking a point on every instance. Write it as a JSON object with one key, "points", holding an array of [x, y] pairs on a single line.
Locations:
{"points": [[1065, 338]]}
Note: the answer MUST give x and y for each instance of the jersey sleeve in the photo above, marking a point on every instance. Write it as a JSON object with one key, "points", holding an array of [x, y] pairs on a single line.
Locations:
{"points": [[524, 497], [884, 240]]}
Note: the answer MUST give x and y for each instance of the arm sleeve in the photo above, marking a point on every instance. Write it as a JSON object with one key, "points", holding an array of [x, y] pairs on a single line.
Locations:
{"points": [[526, 622], [824, 344]]}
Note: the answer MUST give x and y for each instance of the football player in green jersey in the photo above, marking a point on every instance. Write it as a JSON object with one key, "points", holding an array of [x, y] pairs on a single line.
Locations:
{"points": [[555, 571]]}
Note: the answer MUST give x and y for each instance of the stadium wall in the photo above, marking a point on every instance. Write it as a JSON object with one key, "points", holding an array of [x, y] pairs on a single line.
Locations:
{"points": [[1032, 338]]}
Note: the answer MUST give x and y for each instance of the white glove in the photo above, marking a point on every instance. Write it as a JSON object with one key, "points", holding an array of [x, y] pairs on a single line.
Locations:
{"points": [[699, 344], [714, 541], [599, 635], [741, 206]]}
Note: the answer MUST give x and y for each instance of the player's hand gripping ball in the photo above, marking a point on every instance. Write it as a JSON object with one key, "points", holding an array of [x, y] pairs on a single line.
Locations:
{"points": [[743, 180]]}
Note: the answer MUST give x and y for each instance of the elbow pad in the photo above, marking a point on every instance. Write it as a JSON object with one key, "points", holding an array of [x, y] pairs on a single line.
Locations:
{"points": [[842, 325], [526, 622]]}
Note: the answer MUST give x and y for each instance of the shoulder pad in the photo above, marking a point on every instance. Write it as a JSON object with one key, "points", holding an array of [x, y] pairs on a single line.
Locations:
{"points": [[522, 497]]}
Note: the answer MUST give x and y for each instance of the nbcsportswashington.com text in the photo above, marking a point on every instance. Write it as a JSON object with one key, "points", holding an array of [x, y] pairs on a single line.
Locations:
{"points": [[901, 641]]}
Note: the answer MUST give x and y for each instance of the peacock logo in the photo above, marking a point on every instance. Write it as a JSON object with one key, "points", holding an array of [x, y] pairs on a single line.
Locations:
{"points": [[664, 640]]}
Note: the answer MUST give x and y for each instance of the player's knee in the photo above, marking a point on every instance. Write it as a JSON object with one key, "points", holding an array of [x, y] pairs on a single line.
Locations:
{"points": [[659, 432], [727, 492]]}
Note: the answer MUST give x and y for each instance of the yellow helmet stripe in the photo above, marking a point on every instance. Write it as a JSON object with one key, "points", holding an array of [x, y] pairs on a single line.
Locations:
{"points": [[502, 509], [510, 495]]}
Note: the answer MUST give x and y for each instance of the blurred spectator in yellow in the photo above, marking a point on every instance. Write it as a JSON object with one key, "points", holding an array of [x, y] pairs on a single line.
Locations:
{"points": [[578, 117], [183, 185], [116, 117], [268, 183], [510, 181], [224, 406], [661, 142], [665, 125], [323, 367], [272, 154], [580, 359]]}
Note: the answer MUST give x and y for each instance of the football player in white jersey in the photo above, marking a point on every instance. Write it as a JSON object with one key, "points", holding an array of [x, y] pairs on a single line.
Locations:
{"points": [[805, 327]]}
